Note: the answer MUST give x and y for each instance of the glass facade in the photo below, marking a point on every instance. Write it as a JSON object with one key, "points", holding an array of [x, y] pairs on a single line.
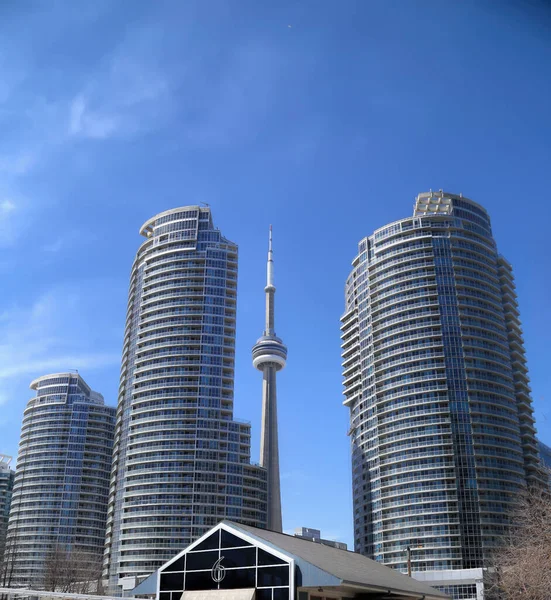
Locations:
{"points": [[62, 476], [181, 463], [6, 487], [435, 377]]}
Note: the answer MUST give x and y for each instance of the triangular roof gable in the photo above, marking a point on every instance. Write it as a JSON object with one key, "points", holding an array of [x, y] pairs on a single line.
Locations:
{"points": [[308, 570], [244, 535]]}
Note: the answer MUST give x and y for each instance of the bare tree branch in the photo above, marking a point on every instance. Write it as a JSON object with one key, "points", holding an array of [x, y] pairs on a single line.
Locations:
{"points": [[521, 567]]}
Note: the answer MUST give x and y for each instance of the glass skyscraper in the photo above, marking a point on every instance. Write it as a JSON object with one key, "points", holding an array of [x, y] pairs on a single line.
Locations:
{"points": [[181, 462], [6, 487], [435, 378], [62, 476]]}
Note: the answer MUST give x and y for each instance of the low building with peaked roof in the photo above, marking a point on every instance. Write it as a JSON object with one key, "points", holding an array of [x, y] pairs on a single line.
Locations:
{"points": [[239, 562]]}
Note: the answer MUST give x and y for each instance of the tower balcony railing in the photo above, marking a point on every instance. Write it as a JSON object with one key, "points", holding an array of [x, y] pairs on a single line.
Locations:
{"points": [[431, 421], [408, 366], [350, 345], [425, 412], [391, 515], [179, 306], [172, 322], [349, 316], [418, 248], [420, 297], [185, 344], [420, 252], [416, 468], [405, 241], [431, 346], [351, 368], [414, 433], [418, 306], [395, 527], [158, 361], [389, 269], [351, 351], [435, 337], [382, 333], [351, 398], [404, 458], [404, 314], [429, 481], [349, 328], [411, 381], [387, 396], [419, 498], [416, 285], [171, 370], [390, 280]]}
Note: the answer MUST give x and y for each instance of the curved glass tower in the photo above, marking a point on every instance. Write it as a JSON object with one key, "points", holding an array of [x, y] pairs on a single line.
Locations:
{"points": [[62, 476], [181, 463], [435, 377]]}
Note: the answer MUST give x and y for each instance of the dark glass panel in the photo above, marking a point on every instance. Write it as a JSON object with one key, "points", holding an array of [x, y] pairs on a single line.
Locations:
{"points": [[211, 543], [264, 558], [238, 578], [243, 557], [177, 565], [164, 596], [267, 594], [273, 576], [172, 581], [232, 541], [200, 581], [281, 593], [201, 560]]}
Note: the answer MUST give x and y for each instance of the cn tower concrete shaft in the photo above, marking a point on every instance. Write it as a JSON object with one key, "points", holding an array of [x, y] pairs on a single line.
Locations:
{"points": [[269, 356]]}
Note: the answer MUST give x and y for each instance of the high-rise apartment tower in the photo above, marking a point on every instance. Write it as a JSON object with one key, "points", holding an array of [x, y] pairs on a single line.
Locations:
{"points": [[270, 356], [435, 378], [62, 477], [6, 487], [181, 463]]}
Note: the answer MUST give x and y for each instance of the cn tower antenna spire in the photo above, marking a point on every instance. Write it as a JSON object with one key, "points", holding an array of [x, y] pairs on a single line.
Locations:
{"points": [[270, 270], [270, 356]]}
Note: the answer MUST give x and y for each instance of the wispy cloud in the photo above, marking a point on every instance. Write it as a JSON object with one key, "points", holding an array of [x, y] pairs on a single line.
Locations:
{"points": [[128, 94], [18, 164], [87, 123], [8, 218], [59, 363], [67, 240], [55, 246], [235, 107], [34, 340], [6, 208]]}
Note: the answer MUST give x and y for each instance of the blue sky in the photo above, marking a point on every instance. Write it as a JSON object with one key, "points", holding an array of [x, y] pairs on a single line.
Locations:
{"points": [[323, 118]]}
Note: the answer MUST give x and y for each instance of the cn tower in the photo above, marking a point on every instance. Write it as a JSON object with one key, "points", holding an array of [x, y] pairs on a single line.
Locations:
{"points": [[269, 356]]}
